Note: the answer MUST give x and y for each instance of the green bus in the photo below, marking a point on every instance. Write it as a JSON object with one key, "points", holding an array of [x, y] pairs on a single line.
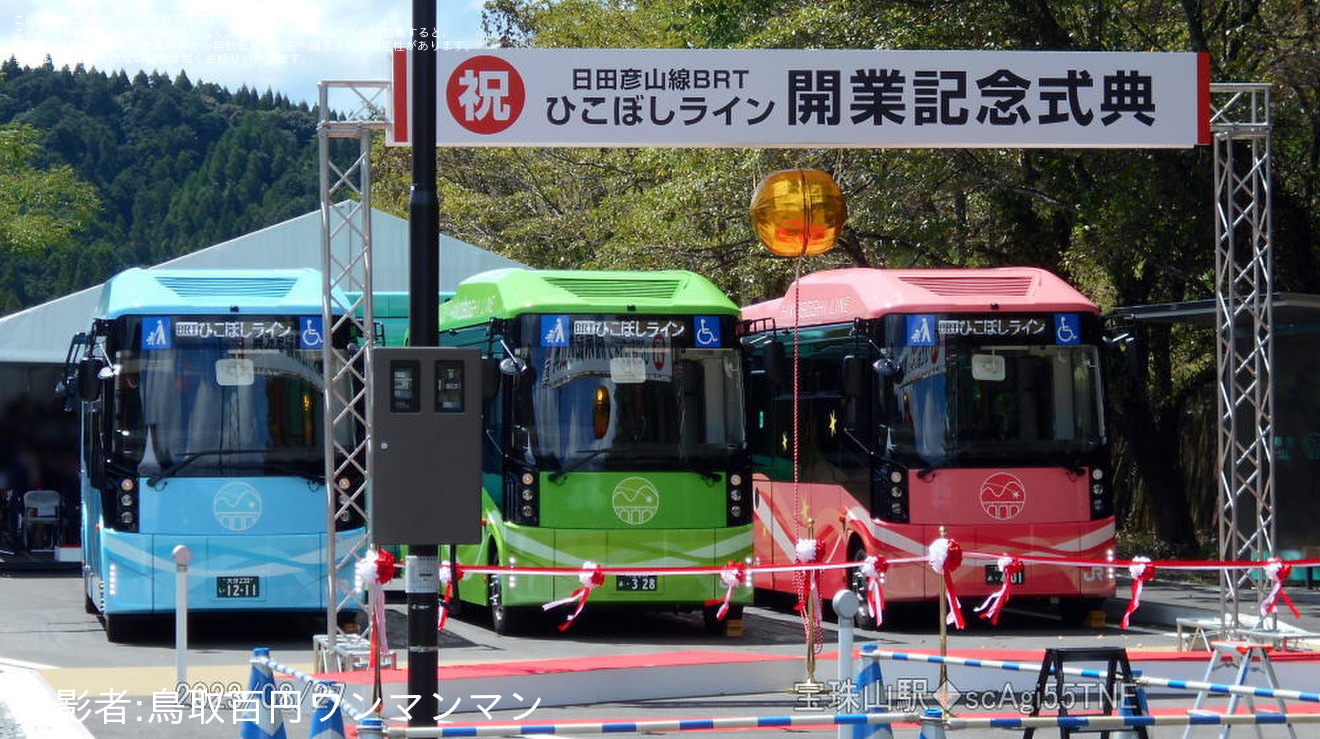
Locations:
{"points": [[614, 435]]}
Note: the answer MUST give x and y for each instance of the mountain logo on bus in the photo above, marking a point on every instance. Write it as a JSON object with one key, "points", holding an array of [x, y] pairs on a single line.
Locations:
{"points": [[237, 506], [1003, 496], [635, 500]]}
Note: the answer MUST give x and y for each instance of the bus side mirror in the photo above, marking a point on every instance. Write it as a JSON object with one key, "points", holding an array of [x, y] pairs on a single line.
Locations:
{"points": [[89, 378], [887, 368], [776, 363]]}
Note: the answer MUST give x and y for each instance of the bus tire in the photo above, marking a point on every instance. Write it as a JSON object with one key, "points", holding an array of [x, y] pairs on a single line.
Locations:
{"points": [[119, 629], [857, 584], [717, 627], [504, 619], [89, 605], [1076, 612]]}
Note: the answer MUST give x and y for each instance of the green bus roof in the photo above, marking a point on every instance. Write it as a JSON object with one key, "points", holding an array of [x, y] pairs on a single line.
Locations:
{"points": [[506, 293]]}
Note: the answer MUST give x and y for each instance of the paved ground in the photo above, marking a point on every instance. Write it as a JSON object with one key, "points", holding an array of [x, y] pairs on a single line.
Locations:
{"points": [[28, 708]]}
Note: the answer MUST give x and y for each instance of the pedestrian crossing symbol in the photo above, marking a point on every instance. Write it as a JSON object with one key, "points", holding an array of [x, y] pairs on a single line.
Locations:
{"points": [[156, 332], [554, 330], [921, 330]]}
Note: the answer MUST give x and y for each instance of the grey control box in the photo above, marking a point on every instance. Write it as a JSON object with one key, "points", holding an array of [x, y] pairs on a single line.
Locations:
{"points": [[426, 464]]}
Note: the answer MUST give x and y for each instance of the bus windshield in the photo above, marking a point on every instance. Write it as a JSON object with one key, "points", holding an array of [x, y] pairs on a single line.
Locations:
{"points": [[218, 405], [628, 399], [959, 404]]}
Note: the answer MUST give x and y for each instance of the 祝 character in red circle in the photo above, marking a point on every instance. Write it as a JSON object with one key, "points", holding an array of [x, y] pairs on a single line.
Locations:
{"points": [[1003, 496], [485, 94]]}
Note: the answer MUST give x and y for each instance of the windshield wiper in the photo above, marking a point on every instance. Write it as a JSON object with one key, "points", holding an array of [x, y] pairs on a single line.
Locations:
{"points": [[292, 469], [191, 457], [704, 467], [564, 471], [950, 457]]}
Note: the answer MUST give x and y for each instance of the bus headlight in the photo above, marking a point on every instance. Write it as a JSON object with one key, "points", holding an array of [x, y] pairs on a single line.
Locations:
{"points": [[1101, 503], [735, 492], [889, 493], [126, 505], [522, 493]]}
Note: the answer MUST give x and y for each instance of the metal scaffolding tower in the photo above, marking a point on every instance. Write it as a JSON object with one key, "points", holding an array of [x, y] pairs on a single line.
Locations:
{"points": [[345, 173], [1244, 280]]}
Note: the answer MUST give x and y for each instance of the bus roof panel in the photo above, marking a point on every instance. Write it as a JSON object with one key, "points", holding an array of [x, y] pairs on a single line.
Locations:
{"points": [[840, 295], [505, 293], [212, 291]]}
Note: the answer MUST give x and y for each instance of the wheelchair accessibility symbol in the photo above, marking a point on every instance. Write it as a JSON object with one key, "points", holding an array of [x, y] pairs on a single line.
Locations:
{"points": [[310, 333], [708, 332], [1067, 329]]}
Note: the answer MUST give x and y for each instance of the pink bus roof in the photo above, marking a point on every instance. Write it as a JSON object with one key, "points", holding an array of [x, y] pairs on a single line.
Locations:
{"points": [[839, 295]]}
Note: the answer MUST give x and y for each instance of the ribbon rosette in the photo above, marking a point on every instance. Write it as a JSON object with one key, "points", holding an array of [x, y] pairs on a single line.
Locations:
{"points": [[1277, 571], [805, 550], [591, 578], [1009, 567], [874, 568], [1142, 572], [732, 576], [945, 557], [447, 581], [370, 575]]}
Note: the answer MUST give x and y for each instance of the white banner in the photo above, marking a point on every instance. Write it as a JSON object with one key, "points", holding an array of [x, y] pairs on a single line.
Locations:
{"points": [[813, 98]]}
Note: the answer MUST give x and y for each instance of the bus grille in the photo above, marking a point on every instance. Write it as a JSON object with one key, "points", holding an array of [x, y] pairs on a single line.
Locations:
{"points": [[592, 287], [237, 287], [988, 285]]}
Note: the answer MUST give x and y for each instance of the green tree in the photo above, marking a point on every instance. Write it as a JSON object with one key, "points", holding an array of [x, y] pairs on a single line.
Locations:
{"points": [[40, 209]]}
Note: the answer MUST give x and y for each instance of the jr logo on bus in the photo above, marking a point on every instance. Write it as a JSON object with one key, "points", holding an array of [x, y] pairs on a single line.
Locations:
{"points": [[237, 506], [1003, 496], [635, 500]]}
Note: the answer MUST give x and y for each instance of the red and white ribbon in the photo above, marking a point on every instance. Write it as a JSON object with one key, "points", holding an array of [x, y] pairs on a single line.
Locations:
{"points": [[808, 587], [1142, 572], [1277, 571], [945, 557], [447, 581], [370, 575], [732, 576], [874, 568], [591, 578], [1009, 567], [805, 551]]}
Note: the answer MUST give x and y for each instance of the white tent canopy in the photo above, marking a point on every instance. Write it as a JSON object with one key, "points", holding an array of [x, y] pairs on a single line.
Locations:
{"points": [[40, 335]]}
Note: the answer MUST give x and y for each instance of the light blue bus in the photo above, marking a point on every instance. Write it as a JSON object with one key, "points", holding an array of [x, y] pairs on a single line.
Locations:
{"points": [[203, 425]]}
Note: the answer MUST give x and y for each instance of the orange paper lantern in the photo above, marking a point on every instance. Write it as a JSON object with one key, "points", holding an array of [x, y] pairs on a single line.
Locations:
{"points": [[798, 212]]}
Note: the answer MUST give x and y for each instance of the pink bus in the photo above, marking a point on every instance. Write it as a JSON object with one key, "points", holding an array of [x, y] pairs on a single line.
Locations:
{"points": [[968, 399]]}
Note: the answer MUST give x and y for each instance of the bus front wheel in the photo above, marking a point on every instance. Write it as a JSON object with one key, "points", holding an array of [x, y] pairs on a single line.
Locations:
{"points": [[717, 627], [504, 619], [119, 629], [857, 583]]}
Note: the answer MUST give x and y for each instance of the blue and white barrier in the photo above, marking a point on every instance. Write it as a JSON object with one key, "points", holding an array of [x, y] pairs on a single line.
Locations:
{"points": [[327, 719], [368, 730], [261, 682], [1131, 722], [1142, 680]]}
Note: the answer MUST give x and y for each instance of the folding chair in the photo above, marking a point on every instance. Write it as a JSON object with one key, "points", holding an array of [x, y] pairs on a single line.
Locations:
{"points": [[40, 524]]}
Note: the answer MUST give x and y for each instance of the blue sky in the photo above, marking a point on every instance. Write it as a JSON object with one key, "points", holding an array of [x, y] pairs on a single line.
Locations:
{"points": [[287, 45]]}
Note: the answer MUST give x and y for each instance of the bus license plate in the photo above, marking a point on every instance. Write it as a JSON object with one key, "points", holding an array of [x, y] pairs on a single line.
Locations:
{"points": [[637, 583], [995, 576], [238, 586]]}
